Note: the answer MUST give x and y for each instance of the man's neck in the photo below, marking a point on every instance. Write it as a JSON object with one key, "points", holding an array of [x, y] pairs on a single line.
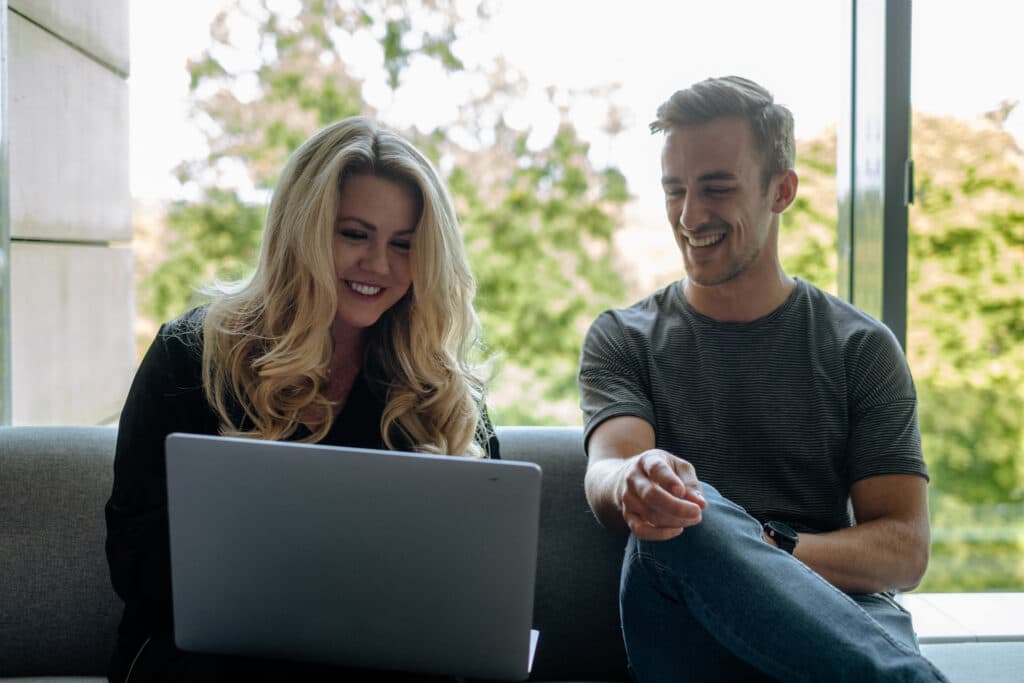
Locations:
{"points": [[742, 299]]}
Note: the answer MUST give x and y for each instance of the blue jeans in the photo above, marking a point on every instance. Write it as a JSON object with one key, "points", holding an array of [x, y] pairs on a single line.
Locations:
{"points": [[718, 603]]}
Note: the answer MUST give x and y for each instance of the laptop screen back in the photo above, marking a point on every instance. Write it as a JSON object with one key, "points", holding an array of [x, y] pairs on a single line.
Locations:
{"points": [[354, 557]]}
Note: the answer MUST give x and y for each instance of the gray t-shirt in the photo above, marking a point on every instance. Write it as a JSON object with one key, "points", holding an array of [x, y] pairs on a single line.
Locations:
{"points": [[781, 414]]}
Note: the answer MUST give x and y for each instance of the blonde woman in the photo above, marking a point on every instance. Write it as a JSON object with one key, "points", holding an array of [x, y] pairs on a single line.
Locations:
{"points": [[356, 329]]}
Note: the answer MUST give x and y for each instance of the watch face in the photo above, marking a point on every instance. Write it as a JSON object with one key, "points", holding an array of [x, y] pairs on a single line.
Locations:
{"points": [[785, 536]]}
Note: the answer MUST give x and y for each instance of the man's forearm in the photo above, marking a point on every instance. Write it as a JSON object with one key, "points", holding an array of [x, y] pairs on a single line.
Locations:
{"points": [[880, 555]]}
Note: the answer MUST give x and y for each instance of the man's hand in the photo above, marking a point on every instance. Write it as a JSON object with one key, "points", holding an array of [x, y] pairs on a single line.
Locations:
{"points": [[659, 495]]}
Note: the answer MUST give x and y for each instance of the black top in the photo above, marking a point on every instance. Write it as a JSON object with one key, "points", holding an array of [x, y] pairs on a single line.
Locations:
{"points": [[167, 396]]}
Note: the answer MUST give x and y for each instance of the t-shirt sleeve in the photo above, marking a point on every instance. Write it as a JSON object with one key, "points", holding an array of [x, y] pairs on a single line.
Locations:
{"points": [[611, 377], [884, 433]]}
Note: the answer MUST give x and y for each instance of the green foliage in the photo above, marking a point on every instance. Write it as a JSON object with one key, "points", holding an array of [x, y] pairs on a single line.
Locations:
{"points": [[217, 239], [975, 547], [808, 238], [396, 57], [542, 258], [966, 336], [966, 314], [966, 348], [538, 224], [972, 436]]}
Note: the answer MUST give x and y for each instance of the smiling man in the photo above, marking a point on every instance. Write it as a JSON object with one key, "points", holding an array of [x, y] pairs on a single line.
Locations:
{"points": [[756, 436]]}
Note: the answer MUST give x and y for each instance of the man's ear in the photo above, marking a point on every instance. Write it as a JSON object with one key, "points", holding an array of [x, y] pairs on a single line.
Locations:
{"points": [[784, 190]]}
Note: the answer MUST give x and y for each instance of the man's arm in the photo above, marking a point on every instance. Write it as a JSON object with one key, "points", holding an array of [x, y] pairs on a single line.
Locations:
{"points": [[887, 549], [630, 483]]}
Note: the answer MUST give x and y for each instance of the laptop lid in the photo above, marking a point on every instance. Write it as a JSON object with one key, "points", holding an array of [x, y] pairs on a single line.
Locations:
{"points": [[355, 557]]}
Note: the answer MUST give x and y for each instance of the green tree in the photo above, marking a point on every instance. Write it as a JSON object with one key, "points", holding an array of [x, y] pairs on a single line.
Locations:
{"points": [[538, 223], [965, 340], [966, 314]]}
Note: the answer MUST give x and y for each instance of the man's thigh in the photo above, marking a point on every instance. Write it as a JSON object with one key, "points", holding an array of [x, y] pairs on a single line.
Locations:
{"points": [[893, 617]]}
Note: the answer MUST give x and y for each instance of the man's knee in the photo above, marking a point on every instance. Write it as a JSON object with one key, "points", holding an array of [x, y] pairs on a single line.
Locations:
{"points": [[725, 529]]}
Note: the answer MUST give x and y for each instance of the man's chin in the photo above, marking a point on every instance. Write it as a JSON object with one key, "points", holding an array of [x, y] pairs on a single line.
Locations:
{"points": [[706, 280]]}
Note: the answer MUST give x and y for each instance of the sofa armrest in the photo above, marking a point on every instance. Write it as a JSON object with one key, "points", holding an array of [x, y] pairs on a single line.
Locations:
{"points": [[58, 612]]}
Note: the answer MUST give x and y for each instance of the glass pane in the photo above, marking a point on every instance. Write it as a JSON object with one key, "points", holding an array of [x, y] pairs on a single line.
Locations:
{"points": [[966, 297]]}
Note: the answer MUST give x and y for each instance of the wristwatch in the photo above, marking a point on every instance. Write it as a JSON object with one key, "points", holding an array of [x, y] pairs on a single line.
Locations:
{"points": [[783, 535]]}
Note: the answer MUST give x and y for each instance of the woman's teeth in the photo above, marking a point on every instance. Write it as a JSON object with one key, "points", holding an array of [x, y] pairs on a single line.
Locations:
{"points": [[365, 290]]}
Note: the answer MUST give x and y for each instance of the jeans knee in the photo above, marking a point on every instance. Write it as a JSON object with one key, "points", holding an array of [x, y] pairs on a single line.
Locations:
{"points": [[725, 529]]}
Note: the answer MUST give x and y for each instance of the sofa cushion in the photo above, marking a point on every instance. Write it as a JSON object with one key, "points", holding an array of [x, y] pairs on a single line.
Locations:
{"points": [[576, 612], [58, 614]]}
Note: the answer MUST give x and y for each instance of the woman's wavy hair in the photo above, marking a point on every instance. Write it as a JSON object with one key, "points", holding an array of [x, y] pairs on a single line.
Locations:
{"points": [[267, 342]]}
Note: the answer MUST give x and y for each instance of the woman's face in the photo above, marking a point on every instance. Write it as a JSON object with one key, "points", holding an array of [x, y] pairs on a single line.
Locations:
{"points": [[373, 235]]}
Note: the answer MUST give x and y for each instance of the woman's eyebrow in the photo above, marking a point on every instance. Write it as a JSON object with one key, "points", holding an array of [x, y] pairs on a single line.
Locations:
{"points": [[370, 226]]}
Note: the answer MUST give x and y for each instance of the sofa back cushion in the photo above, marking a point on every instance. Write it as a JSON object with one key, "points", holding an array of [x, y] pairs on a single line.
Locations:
{"points": [[576, 599], [58, 613]]}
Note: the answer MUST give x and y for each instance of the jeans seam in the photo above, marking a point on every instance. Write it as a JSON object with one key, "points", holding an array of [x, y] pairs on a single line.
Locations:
{"points": [[899, 645]]}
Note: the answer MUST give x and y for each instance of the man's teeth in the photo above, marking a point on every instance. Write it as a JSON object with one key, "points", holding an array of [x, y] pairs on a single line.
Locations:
{"points": [[365, 290], [706, 240]]}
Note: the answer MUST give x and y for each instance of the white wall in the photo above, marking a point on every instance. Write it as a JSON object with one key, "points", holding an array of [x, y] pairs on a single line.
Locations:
{"points": [[72, 303]]}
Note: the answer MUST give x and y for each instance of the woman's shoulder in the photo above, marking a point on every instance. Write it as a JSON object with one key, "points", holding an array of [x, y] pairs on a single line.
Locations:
{"points": [[187, 326], [181, 338]]}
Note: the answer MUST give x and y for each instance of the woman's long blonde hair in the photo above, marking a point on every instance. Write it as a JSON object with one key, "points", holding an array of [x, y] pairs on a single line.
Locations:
{"points": [[267, 343]]}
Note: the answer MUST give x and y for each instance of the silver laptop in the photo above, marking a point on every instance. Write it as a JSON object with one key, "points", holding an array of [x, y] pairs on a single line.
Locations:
{"points": [[355, 557]]}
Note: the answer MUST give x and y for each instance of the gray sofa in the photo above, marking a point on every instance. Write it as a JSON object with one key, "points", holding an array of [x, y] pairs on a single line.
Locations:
{"points": [[58, 614]]}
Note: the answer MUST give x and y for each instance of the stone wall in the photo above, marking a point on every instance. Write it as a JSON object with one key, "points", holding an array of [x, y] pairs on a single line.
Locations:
{"points": [[71, 298]]}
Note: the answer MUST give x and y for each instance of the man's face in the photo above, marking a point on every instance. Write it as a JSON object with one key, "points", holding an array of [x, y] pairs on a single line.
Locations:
{"points": [[720, 214]]}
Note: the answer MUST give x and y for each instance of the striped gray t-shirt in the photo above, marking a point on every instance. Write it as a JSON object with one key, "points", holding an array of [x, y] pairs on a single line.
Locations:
{"points": [[781, 414]]}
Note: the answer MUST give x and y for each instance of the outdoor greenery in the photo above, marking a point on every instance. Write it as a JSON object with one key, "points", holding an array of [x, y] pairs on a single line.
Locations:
{"points": [[539, 226], [538, 223], [965, 340]]}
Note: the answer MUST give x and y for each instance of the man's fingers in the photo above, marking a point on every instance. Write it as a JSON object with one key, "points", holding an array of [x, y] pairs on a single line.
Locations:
{"points": [[662, 510], [675, 475], [655, 499], [663, 474], [645, 500]]}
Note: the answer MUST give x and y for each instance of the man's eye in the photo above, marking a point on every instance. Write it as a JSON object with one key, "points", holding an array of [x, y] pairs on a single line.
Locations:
{"points": [[674, 193], [718, 190]]}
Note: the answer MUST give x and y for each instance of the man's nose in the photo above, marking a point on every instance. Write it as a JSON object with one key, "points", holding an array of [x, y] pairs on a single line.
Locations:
{"points": [[691, 216]]}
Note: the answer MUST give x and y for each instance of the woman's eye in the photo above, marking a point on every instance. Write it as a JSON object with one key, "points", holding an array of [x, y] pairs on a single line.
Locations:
{"points": [[350, 234], [402, 245]]}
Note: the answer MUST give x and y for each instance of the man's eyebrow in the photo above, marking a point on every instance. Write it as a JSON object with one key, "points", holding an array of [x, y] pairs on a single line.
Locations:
{"points": [[370, 226], [717, 175], [706, 178]]}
